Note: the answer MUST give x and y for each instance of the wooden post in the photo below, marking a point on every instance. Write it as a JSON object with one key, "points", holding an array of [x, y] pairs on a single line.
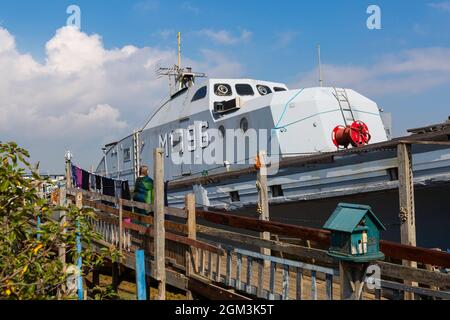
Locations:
{"points": [[62, 247], [120, 227], [192, 225], [191, 254], [79, 205], [141, 286], [351, 276], [263, 199], [407, 207], [159, 230]]}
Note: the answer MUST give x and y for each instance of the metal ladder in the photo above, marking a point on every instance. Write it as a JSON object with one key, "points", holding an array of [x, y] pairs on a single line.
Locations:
{"points": [[344, 104], [136, 154]]}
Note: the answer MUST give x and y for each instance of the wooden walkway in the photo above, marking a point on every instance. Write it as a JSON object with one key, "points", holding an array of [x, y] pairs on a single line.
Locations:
{"points": [[270, 277]]}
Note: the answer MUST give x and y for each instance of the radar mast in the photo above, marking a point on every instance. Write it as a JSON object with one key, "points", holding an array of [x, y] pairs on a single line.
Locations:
{"points": [[183, 78]]}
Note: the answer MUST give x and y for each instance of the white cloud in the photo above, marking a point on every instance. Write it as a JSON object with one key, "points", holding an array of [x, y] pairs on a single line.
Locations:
{"points": [[225, 37], [283, 39], [147, 5], [409, 72], [188, 6], [84, 95], [165, 34], [444, 5]]}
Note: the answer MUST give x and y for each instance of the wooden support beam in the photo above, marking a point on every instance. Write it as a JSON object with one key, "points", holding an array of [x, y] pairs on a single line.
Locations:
{"points": [[263, 197], [191, 253], [407, 207], [62, 202], [120, 226], [352, 280], [159, 229]]}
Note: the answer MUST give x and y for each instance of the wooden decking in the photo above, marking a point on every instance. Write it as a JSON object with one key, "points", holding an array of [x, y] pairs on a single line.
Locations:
{"points": [[297, 289]]}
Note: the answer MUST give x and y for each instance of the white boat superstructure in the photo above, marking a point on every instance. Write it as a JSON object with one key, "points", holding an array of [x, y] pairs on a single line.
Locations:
{"points": [[212, 126]]}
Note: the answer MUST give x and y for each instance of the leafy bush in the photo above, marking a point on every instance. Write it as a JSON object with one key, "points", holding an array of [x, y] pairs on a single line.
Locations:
{"points": [[30, 267]]}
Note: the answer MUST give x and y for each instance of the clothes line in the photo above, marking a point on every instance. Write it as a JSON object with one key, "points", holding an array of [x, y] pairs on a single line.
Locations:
{"points": [[88, 181]]}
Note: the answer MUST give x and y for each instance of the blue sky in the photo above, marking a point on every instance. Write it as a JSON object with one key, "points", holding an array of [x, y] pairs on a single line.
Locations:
{"points": [[270, 40]]}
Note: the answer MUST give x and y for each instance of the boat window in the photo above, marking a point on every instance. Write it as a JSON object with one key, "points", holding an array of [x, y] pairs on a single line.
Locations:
{"points": [[263, 90], [278, 89], [179, 93], [222, 90], [244, 90], [126, 155], [200, 94]]}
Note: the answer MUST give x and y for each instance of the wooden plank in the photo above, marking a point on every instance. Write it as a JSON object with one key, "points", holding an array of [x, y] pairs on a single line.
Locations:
{"points": [[411, 253], [238, 272], [321, 236], [329, 286], [192, 225], [218, 267], [229, 260], [282, 247], [418, 275], [212, 291], [249, 274], [202, 262], [176, 212], [210, 265], [120, 226], [272, 280], [377, 294], [260, 287], [291, 263], [390, 249], [285, 292], [299, 283], [182, 228], [420, 291], [435, 143], [159, 228], [313, 285]]}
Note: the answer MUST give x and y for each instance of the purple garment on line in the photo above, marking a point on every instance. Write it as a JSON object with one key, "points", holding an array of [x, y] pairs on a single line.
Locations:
{"points": [[79, 175]]}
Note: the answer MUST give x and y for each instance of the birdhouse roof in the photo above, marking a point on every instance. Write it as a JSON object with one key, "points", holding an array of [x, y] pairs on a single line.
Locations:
{"points": [[347, 217]]}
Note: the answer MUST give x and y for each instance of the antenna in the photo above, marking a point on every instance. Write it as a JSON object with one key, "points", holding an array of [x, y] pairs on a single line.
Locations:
{"points": [[179, 50], [320, 66], [182, 77]]}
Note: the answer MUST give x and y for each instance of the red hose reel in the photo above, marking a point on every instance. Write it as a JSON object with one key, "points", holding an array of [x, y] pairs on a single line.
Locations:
{"points": [[357, 134]]}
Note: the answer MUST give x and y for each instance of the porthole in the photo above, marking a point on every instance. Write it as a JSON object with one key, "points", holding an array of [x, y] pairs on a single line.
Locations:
{"points": [[263, 90], [244, 124], [222, 90], [222, 131]]}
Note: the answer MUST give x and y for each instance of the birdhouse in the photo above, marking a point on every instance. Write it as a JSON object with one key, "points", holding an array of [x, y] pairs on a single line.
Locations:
{"points": [[355, 233]]}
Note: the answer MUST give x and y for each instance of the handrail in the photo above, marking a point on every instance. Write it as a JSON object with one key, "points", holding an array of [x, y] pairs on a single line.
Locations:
{"points": [[390, 249], [176, 212], [291, 263]]}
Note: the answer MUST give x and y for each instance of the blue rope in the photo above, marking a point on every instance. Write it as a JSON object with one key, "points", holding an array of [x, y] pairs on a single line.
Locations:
{"points": [[286, 107]]}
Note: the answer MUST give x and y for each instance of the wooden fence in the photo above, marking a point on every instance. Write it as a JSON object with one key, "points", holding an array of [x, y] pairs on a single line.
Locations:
{"points": [[203, 257]]}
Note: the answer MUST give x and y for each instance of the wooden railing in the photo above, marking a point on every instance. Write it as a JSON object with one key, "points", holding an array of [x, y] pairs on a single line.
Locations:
{"points": [[206, 248]]}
